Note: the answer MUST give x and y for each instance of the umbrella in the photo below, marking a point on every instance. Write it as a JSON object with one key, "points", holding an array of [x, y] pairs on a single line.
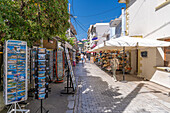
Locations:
{"points": [[83, 39], [80, 43], [94, 38], [129, 43]]}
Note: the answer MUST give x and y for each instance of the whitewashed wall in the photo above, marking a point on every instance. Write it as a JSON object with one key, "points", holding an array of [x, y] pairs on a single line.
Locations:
{"points": [[145, 20]]}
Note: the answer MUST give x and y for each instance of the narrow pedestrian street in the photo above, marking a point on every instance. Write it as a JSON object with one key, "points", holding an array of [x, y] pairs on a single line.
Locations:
{"points": [[98, 93]]}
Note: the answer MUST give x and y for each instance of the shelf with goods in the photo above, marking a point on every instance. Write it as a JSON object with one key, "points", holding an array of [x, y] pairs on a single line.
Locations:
{"points": [[50, 63], [41, 76], [103, 60], [15, 71]]}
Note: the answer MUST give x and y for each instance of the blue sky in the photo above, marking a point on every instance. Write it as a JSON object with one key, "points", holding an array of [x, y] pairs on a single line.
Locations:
{"points": [[93, 11]]}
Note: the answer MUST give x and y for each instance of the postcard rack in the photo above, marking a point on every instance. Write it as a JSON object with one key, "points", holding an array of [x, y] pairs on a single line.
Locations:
{"points": [[15, 74], [41, 77]]}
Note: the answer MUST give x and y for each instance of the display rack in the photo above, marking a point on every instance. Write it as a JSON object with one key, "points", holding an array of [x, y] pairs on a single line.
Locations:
{"points": [[41, 77], [50, 64], [15, 73], [71, 82], [59, 65]]}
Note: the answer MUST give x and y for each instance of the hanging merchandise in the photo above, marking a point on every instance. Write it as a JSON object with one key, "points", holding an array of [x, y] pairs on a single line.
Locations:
{"points": [[41, 77], [70, 69], [33, 63], [54, 65], [59, 65], [28, 68], [50, 63], [15, 71]]}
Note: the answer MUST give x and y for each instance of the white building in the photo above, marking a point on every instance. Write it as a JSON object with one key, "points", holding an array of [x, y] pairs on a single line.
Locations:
{"points": [[149, 19], [97, 30], [115, 27]]}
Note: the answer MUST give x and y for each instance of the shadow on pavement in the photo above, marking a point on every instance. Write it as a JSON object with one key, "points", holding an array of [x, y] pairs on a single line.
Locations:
{"points": [[95, 95]]}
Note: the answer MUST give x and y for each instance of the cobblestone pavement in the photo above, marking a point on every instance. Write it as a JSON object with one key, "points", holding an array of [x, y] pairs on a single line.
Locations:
{"points": [[55, 103], [98, 93]]}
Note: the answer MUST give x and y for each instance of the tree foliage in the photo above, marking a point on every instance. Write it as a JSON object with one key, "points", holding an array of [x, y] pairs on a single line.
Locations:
{"points": [[31, 20]]}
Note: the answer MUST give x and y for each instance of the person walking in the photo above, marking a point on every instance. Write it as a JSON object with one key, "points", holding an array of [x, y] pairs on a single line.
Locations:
{"points": [[82, 57], [85, 57], [115, 65]]}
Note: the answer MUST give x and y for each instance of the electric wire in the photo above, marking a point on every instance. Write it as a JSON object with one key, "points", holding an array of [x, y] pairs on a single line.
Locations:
{"points": [[106, 11]]}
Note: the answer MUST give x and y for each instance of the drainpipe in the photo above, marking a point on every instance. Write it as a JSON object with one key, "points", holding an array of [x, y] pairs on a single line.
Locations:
{"points": [[123, 22], [123, 34]]}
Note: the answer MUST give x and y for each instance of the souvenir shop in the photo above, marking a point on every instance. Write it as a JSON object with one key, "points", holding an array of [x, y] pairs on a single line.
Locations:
{"points": [[28, 72], [103, 58]]}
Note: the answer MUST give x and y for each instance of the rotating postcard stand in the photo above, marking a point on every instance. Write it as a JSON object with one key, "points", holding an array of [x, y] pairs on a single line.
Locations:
{"points": [[41, 78], [15, 74], [71, 82]]}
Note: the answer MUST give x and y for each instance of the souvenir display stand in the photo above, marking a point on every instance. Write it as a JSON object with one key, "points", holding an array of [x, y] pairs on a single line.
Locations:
{"points": [[103, 60], [41, 77], [59, 65], [15, 74], [71, 82], [50, 63]]}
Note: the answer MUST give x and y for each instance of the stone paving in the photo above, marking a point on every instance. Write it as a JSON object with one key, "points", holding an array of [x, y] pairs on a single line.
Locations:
{"points": [[98, 93]]}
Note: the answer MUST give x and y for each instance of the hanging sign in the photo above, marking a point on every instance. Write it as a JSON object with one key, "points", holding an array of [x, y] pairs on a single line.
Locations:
{"points": [[15, 71], [70, 69]]}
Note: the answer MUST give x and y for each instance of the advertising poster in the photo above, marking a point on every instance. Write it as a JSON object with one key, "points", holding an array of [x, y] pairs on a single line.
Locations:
{"points": [[15, 71]]}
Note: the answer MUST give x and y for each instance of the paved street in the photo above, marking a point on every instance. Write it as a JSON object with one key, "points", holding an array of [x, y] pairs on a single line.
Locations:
{"points": [[98, 93]]}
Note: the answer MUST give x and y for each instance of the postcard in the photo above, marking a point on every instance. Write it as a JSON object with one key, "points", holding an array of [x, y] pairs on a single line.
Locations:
{"points": [[41, 50], [41, 62], [41, 90], [41, 96], [41, 56]]}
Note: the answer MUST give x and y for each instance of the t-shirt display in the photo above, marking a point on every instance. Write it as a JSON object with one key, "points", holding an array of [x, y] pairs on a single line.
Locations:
{"points": [[15, 71]]}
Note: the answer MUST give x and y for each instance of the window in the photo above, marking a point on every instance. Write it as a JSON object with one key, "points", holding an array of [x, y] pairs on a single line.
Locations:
{"points": [[167, 55]]}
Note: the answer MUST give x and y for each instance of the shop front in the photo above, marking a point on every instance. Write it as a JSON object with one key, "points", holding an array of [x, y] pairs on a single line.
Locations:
{"points": [[103, 59]]}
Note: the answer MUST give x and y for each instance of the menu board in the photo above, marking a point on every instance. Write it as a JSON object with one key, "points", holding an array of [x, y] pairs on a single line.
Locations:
{"points": [[15, 71], [60, 72], [70, 69], [41, 84]]}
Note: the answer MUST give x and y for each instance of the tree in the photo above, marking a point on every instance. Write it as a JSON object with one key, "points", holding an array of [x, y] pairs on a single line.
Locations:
{"points": [[31, 20]]}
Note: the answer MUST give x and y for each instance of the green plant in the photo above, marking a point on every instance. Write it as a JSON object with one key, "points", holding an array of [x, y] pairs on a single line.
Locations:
{"points": [[31, 20]]}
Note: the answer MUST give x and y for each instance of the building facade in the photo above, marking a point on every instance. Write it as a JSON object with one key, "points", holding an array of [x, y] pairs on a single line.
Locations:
{"points": [[149, 19]]}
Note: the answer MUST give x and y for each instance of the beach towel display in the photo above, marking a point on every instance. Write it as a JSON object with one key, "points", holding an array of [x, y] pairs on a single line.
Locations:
{"points": [[15, 71]]}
